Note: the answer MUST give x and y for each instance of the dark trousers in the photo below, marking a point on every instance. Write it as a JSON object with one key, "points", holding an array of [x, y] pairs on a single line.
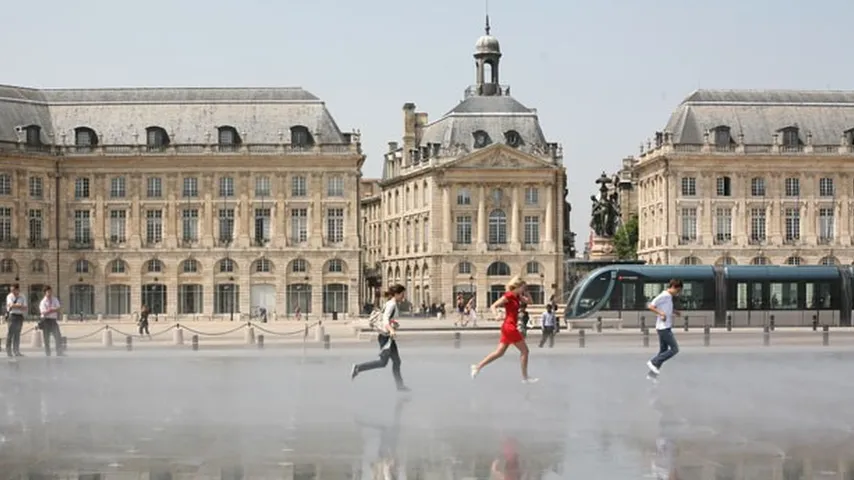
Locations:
{"points": [[667, 347], [50, 328], [548, 334], [13, 334], [386, 354], [143, 327]]}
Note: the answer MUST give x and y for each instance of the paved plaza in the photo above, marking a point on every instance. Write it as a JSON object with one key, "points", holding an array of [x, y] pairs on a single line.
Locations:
{"points": [[741, 413]]}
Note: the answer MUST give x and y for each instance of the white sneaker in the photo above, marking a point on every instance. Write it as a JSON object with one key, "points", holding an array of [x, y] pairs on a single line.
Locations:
{"points": [[652, 368], [474, 371], [530, 380]]}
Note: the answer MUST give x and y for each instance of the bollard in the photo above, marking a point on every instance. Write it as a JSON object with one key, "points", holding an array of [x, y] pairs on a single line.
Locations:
{"points": [[643, 323], [814, 323], [107, 337], [178, 336], [260, 342], [825, 335], [707, 335], [729, 323], [771, 323], [36, 340], [457, 338], [319, 333], [249, 336], [581, 339], [766, 336], [326, 341], [645, 337], [63, 347], [194, 341], [598, 324], [686, 323], [129, 343]]}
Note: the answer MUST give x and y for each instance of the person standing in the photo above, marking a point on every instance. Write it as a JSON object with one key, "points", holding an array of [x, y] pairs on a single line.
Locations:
{"points": [[662, 306], [16, 306], [49, 309], [510, 334], [548, 323], [143, 321], [386, 338]]}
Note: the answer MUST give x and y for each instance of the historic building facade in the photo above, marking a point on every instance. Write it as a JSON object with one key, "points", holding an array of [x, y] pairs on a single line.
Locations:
{"points": [[471, 199], [195, 202], [750, 177]]}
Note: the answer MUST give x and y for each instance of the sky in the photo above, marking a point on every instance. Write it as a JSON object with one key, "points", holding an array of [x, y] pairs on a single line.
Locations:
{"points": [[604, 75]]}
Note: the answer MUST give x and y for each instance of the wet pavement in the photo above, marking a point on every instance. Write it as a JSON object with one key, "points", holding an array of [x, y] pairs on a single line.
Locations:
{"points": [[763, 414]]}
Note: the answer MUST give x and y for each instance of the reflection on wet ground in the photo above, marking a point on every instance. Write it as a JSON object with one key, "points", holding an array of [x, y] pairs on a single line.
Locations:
{"points": [[278, 415]]}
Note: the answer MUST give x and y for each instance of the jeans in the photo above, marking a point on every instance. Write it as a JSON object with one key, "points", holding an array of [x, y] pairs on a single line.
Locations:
{"points": [[548, 334], [386, 354], [143, 327], [667, 347], [50, 328], [13, 334]]}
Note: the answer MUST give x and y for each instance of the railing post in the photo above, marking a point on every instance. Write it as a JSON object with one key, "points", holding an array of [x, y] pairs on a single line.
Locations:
{"points": [[129, 343], [766, 335], [825, 335], [772, 322], [814, 322], [581, 339], [729, 322], [642, 322], [686, 323], [598, 324], [260, 341], [195, 342], [707, 335], [645, 337], [457, 339]]}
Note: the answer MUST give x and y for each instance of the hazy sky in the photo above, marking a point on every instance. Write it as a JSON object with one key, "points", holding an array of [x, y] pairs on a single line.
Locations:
{"points": [[603, 74]]}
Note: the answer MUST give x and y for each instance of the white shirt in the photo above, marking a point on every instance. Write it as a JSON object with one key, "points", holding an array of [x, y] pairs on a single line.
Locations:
{"points": [[11, 299], [47, 304], [547, 320], [663, 303], [389, 314]]}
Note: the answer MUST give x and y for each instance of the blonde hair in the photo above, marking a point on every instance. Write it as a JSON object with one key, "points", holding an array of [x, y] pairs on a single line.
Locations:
{"points": [[514, 283]]}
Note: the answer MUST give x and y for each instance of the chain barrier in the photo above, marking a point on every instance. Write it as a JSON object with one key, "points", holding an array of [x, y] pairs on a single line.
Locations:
{"points": [[302, 330], [121, 332], [219, 334], [90, 334], [27, 331], [169, 329]]}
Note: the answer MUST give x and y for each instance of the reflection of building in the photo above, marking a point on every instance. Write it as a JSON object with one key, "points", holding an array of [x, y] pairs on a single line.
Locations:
{"points": [[750, 177], [473, 198], [193, 201]]}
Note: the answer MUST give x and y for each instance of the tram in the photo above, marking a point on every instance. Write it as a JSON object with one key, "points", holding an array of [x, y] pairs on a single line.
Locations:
{"points": [[713, 295]]}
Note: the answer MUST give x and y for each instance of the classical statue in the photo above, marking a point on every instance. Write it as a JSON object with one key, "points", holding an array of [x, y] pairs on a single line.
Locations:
{"points": [[605, 216]]}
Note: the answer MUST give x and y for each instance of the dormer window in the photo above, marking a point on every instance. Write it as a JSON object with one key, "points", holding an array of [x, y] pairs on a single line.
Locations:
{"points": [[790, 137], [513, 138], [156, 138], [33, 135], [85, 137], [301, 137], [723, 136], [481, 139], [228, 137]]}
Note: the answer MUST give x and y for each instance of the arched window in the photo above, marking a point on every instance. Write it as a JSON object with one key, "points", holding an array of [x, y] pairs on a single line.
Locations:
{"points": [[497, 227], [794, 260], [498, 269], [226, 265], [335, 265], [691, 261], [464, 268], [481, 139], [722, 136], [727, 260], [85, 137], [117, 267], [82, 266], [513, 138], [156, 138], [190, 265], [299, 265], [228, 136], [760, 261], [829, 261], [532, 268], [7, 265], [38, 266], [301, 137], [263, 265], [790, 137], [154, 266], [33, 136]]}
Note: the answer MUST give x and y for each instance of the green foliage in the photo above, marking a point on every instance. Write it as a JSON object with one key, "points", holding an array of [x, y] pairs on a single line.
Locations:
{"points": [[626, 240]]}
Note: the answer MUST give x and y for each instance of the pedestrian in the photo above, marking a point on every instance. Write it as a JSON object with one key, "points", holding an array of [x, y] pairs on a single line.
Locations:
{"points": [[143, 321], [387, 326], [510, 334], [662, 306], [49, 309], [16, 308], [548, 323]]}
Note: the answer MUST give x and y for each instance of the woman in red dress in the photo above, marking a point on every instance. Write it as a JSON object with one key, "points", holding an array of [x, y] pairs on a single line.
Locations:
{"points": [[510, 334]]}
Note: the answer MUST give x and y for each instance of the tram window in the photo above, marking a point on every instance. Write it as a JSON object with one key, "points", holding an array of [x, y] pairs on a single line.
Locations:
{"points": [[594, 293], [630, 296], [741, 296], [784, 296], [819, 296], [746, 296], [755, 296], [651, 290]]}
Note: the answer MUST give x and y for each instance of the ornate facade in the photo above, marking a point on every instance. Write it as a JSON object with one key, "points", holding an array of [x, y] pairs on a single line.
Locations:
{"points": [[750, 177], [195, 202], [471, 199]]}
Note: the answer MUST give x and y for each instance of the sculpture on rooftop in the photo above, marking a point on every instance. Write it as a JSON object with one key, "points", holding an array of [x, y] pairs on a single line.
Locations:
{"points": [[605, 216]]}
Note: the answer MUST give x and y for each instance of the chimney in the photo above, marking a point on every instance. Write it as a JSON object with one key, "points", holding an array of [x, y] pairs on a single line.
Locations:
{"points": [[409, 126], [392, 146]]}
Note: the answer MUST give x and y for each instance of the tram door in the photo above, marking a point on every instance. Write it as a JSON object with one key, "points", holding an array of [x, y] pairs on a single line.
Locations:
{"points": [[747, 304]]}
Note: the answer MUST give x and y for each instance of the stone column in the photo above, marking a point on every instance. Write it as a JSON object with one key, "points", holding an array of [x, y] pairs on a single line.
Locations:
{"points": [[98, 215], [135, 220], [316, 211], [207, 213], [481, 217], [208, 287], [549, 220], [514, 218], [842, 222], [446, 214], [170, 221]]}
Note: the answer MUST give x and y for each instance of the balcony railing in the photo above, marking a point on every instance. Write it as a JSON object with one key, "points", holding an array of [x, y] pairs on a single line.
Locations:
{"points": [[653, 151], [9, 242], [38, 243], [260, 241], [81, 244], [495, 247], [353, 147], [224, 242]]}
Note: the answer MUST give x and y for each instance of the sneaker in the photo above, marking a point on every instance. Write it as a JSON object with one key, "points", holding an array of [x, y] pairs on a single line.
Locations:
{"points": [[652, 368], [474, 371], [354, 372], [530, 380]]}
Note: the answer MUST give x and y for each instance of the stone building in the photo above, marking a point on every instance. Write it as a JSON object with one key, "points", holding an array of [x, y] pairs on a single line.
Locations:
{"points": [[471, 199], [750, 177], [195, 202]]}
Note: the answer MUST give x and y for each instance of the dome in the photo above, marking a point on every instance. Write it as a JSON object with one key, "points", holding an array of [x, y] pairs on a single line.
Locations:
{"points": [[487, 44]]}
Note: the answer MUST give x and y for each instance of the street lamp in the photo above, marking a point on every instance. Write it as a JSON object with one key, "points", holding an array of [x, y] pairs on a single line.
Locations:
{"points": [[471, 285], [230, 288], [543, 287]]}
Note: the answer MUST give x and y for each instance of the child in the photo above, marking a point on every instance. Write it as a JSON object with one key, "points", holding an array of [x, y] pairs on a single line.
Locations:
{"points": [[387, 328]]}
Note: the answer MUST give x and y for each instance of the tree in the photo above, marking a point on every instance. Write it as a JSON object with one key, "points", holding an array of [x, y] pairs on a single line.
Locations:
{"points": [[626, 240]]}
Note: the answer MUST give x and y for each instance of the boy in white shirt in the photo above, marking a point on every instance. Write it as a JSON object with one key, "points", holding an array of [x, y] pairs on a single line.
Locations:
{"points": [[49, 309], [662, 306]]}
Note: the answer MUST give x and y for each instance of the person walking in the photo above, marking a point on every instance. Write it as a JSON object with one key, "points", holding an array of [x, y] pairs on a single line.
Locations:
{"points": [[386, 338], [49, 309], [662, 306], [548, 323], [16, 308], [143, 321]]}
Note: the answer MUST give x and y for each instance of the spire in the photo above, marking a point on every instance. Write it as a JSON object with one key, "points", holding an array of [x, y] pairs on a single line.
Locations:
{"points": [[487, 16]]}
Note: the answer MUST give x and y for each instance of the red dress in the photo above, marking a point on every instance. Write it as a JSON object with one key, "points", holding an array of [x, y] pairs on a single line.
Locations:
{"points": [[510, 333]]}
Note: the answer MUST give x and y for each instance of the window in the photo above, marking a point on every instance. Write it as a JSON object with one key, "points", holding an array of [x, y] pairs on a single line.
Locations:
{"points": [[497, 195], [723, 225], [82, 227], [81, 266], [118, 187], [299, 265], [38, 266], [757, 225], [513, 138], [190, 225], [84, 138], [81, 300], [156, 138], [498, 269], [228, 137], [81, 188], [227, 298], [689, 186], [727, 260], [298, 296], [190, 299], [464, 268], [226, 225], [497, 227], [299, 225], [226, 265], [481, 139], [532, 196], [191, 187], [425, 239], [784, 295], [723, 137], [335, 186], [154, 187], [7, 265], [262, 186], [5, 223], [532, 230], [791, 139], [793, 224], [723, 186], [825, 187], [691, 261], [757, 187], [153, 226], [226, 187], [335, 225], [117, 267], [794, 261], [118, 225], [190, 266], [464, 229], [299, 186], [828, 261], [335, 298], [335, 266], [689, 225], [301, 137], [36, 226], [793, 187], [33, 135], [36, 187], [463, 196], [532, 268], [154, 266], [263, 221], [5, 184], [826, 225], [118, 299]]}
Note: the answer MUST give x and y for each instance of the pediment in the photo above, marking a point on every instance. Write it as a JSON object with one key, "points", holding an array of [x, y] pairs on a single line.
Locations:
{"points": [[500, 159]]}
